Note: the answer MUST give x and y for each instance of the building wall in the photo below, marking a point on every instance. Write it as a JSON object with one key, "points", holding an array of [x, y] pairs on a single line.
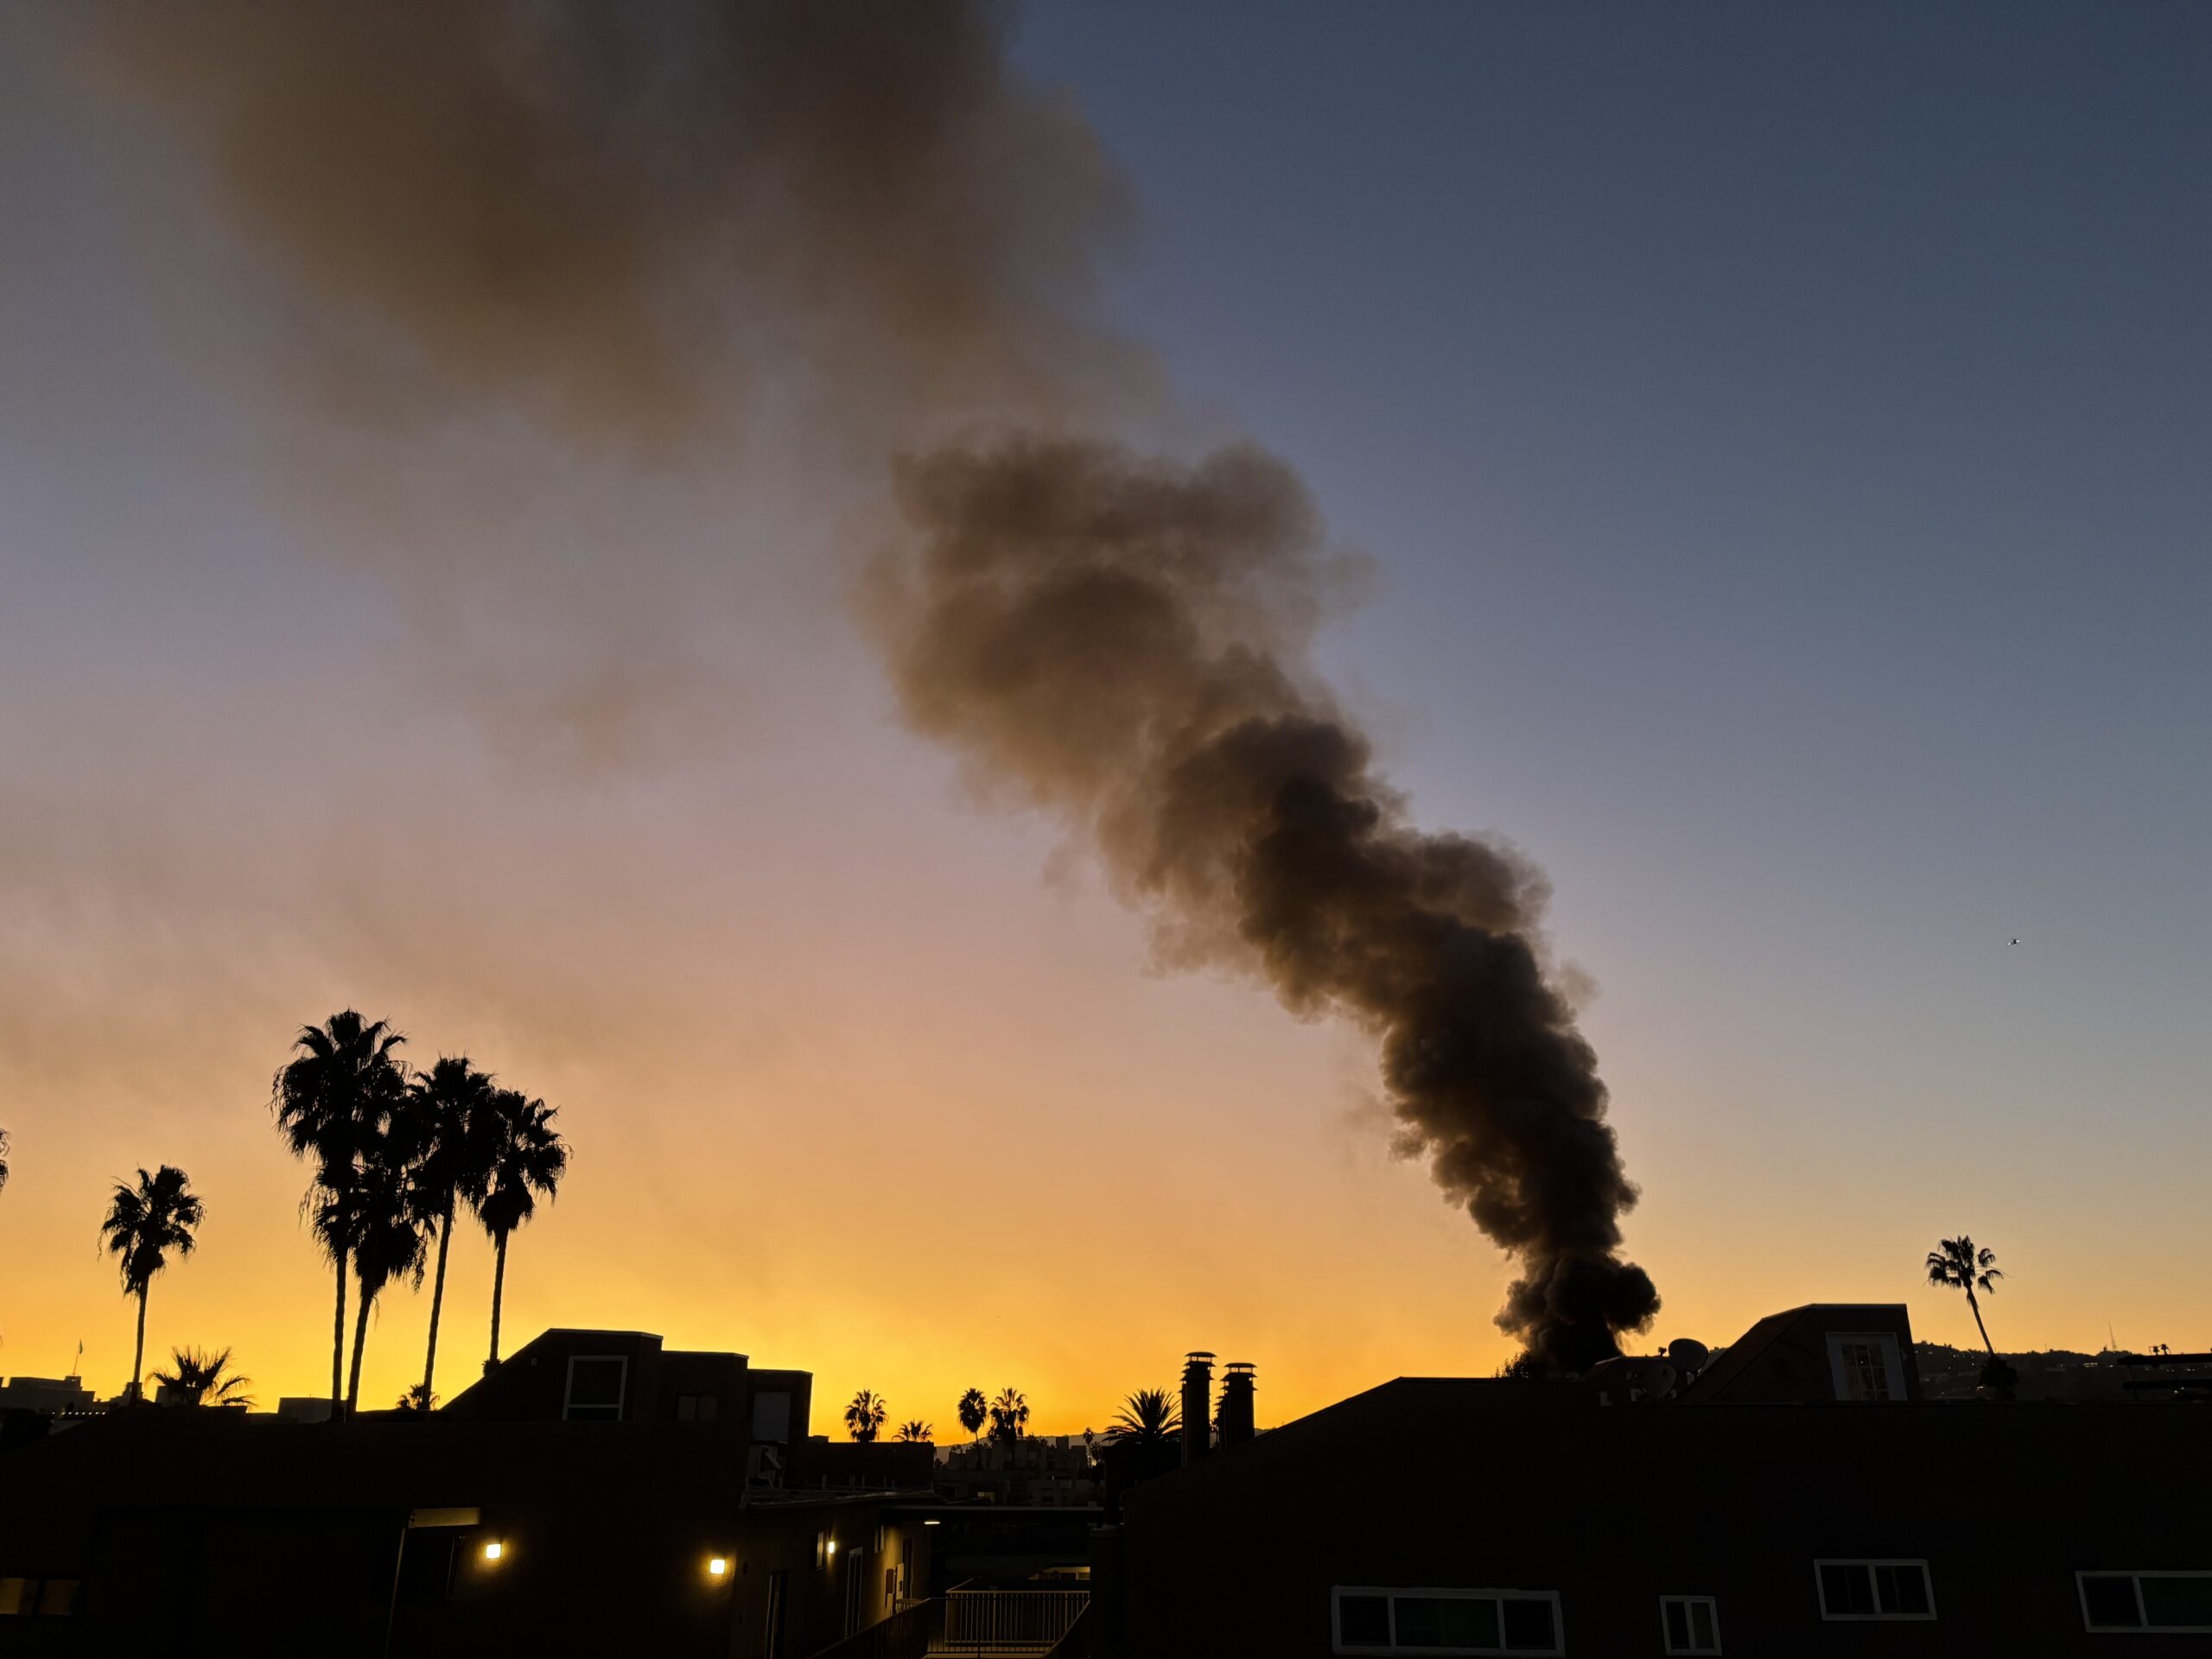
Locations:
{"points": [[1419, 1485]]}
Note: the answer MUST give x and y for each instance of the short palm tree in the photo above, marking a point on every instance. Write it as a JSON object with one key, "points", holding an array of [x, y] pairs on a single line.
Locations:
{"points": [[203, 1379], [864, 1417], [451, 1106], [914, 1429], [1009, 1415], [974, 1411], [330, 1100], [3, 1157], [145, 1223], [525, 1156], [417, 1399], [1149, 1417], [1956, 1264]]}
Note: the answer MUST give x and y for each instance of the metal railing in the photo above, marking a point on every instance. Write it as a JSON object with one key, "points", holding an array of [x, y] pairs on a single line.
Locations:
{"points": [[1009, 1621], [905, 1634]]}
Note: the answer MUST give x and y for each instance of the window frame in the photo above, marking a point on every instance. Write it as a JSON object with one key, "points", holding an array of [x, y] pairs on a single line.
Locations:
{"points": [[1389, 1593], [2135, 1575], [594, 1412], [1666, 1638], [1869, 1562], [1892, 1364]]}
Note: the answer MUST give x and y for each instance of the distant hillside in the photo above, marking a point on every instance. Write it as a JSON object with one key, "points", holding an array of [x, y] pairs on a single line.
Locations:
{"points": [[1948, 1373]]}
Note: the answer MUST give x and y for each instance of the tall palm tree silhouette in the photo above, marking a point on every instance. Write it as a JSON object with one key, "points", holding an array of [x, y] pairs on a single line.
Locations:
{"points": [[145, 1223], [1148, 1418], [451, 1105], [390, 1235], [914, 1429], [330, 1099], [864, 1417], [1009, 1415], [526, 1157], [204, 1379], [1956, 1264], [974, 1412]]}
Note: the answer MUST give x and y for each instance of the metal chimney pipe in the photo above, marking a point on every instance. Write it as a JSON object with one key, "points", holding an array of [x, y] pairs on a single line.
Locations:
{"points": [[1197, 1403], [1237, 1403]]}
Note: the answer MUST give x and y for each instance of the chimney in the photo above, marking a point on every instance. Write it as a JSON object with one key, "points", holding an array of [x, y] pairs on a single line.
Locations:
{"points": [[1236, 1387], [1197, 1403]]}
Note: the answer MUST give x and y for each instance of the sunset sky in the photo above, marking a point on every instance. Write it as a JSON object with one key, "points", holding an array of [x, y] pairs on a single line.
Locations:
{"points": [[1781, 453]]}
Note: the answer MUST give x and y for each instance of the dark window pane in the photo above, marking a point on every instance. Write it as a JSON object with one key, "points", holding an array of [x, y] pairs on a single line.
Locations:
{"points": [[1701, 1624], [2183, 1603], [595, 1383], [2109, 1599], [1846, 1587], [57, 1596], [1678, 1623], [1364, 1621], [1435, 1621], [1904, 1589], [1529, 1626]]}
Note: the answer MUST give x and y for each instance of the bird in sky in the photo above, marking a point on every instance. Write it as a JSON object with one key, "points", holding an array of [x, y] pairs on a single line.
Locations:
{"points": [[2016, 941]]}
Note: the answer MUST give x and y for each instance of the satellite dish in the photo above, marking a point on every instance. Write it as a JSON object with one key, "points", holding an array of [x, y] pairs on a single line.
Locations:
{"points": [[1688, 1354]]}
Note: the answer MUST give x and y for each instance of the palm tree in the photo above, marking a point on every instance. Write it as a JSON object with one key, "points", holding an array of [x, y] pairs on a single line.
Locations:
{"points": [[417, 1399], [914, 1429], [1009, 1415], [1148, 1418], [973, 1408], [3, 1157], [200, 1379], [145, 1223], [330, 1099], [390, 1237], [525, 1156], [1955, 1263], [451, 1104], [865, 1415]]}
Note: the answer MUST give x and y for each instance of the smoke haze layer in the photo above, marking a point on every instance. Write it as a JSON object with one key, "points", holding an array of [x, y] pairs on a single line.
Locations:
{"points": [[1124, 641], [630, 221]]}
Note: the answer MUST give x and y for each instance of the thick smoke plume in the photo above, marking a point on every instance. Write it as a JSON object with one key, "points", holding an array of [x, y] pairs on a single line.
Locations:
{"points": [[1125, 641], [631, 227]]}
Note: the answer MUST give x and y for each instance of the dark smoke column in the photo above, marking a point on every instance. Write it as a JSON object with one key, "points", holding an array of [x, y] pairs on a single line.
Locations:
{"points": [[1125, 641]]}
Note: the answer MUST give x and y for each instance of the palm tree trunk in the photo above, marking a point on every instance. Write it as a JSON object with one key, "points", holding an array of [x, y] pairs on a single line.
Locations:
{"points": [[361, 1341], [338, 1343], [1976, 1306], [438, 1302], [138, 1356], [498, 1287]]}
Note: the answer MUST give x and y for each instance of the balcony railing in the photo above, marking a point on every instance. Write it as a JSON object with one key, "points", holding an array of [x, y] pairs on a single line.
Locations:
{"points": [[1009, 1621]]}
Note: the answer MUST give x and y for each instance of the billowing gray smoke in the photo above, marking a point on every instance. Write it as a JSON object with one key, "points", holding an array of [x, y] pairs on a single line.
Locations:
{"points": [[629, 226], [1125, 640]]}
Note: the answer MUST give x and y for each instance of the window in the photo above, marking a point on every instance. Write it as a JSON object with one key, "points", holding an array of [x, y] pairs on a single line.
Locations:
{"points": [[1690, 1624], [28, 1596], [771, 1416], [696, 1407], [1865, 1365], [1447, 1621], [594, 1388], [1884, 1589], [2146, 1601]]}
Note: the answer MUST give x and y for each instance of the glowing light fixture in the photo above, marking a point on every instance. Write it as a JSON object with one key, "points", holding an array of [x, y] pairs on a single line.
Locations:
{"points": [[717, 1566], [494, 1550], [932, 1523], [833, 1546]]}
